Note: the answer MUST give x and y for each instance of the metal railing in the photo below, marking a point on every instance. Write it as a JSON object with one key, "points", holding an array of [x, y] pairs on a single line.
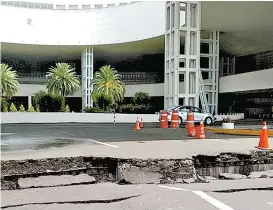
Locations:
{"points": [[203, 97], [127, 77], [244, 64]]}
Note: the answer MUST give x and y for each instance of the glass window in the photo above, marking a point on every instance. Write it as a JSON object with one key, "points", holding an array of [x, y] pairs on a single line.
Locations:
{"points": [[110, 5], [184, 109], [73, 6], [58, 6], [17, 4], [43, 6], [4, 3], [30, 5], [171, 108], [50, 6], [98, 6], [23, 4], [86, 6], [10, 3], [37, 5], [196, 110], [121, 4]]}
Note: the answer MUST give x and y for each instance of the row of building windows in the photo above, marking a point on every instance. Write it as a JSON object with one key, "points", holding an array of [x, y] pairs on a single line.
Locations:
{"points": [[58, 6]]}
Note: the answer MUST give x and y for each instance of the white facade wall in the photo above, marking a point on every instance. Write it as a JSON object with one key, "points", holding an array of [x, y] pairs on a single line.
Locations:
{"points": [[151, 89], [247, 81], [61, 117], [132, 22], [50, 117]]}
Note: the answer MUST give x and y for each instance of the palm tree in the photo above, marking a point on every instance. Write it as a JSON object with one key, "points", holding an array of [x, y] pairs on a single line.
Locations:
{"points": [[107, 84], [62, 80], [9, 81]]}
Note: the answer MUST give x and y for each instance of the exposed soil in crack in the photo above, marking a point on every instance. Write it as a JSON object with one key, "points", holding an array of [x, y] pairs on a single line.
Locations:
{"points": [[245, 189], [72, 202]]}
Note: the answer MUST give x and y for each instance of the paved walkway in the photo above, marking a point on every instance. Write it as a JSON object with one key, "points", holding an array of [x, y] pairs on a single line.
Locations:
{"points": [[141, 149]]}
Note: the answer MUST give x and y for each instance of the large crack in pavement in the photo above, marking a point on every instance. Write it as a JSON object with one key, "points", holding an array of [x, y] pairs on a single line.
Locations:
{"points": [[72, 202], [51, 186], [243, 189]]}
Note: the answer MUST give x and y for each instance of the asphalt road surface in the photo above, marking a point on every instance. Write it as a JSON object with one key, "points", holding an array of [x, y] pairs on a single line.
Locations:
{"points": [[223, 195], [41, 136]]}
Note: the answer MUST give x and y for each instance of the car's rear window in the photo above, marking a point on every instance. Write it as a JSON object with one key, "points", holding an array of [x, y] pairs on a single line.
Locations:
{"points": [[171, 108]]}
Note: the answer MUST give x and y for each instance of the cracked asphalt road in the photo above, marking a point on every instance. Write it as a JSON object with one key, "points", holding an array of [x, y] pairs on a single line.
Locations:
{"points": [[40, 136], [145, 197]]}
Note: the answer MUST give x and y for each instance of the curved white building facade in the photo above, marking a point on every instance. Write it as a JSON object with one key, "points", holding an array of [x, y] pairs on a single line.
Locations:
{"points": [[199, 42], [111, 25]]}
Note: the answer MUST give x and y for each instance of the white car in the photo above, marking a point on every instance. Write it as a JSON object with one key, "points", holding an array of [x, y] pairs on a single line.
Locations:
{"points": [[199, 115]]}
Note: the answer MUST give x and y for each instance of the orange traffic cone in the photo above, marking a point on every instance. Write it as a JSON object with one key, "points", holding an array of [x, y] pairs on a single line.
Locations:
{"points": [[200, 131], [137, 127], [264, 143], [141, 123]]}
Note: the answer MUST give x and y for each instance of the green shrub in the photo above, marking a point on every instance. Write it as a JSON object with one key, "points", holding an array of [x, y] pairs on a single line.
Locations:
{"points": [[4, 104], [67, 109], [5, 109], [49, 102], [31, 109], [93, 110], [22, 108], [141, 98], [134, 108], [37, 109], [126, 108], [12, 108]]}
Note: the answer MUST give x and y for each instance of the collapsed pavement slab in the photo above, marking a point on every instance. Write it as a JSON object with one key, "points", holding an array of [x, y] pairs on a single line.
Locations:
{"points": [[138, 171]]}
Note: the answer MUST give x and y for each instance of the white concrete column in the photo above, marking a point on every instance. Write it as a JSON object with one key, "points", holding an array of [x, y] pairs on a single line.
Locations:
{"points": [[29, 101], [87, 76], [182, 60], [212, 72]]}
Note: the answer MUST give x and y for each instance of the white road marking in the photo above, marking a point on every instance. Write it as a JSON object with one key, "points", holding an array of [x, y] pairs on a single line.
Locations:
{"points": [[99, 142], [213, 201], [269, 203], [230, 142], [6, 134], [174, 188]]}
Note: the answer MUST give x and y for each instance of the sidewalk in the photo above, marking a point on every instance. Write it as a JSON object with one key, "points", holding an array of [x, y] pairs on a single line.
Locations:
{"points": [[169, 149]]}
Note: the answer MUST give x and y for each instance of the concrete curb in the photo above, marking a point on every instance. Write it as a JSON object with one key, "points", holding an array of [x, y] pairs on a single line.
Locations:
{"points": [[242, 132]]}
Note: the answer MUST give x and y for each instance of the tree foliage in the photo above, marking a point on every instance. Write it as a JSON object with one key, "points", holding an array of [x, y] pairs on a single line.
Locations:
{"points": [[9, 81], [141, 98], [140, 104], [67, 109], [48, 102], [31, 109], [107, 84], [62, 80], [12, 108], [4, 104], [22, 108]]}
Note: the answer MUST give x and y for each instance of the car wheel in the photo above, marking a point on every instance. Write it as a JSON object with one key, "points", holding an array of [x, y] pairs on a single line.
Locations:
{"points": [[208, 121], [180, 121]]}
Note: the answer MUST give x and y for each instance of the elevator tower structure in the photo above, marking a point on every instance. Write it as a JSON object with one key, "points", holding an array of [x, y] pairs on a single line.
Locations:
{"points": [[185, 64]]}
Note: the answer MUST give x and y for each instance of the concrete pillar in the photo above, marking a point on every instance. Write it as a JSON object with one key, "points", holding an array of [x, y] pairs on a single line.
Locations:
{"points": [[182, 53], [211, 83], [87, 76], [29, 101]]}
